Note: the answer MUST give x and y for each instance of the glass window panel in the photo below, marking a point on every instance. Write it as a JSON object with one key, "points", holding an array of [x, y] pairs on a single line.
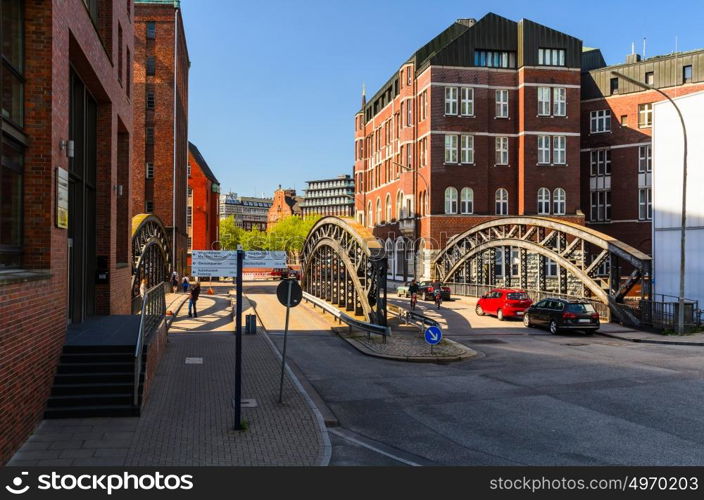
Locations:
{"points": [[12, 97], [12, 33]]}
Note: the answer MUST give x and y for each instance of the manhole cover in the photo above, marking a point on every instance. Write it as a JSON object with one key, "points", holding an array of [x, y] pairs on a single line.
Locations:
{"points": [[487, 341], [194, 361]]}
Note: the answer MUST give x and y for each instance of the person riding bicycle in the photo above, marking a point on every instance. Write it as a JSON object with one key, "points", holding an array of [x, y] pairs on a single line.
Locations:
{"points": [[437, 293], [413, 292]]}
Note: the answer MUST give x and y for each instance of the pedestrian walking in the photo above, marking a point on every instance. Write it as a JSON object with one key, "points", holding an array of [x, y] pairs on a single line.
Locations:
{"points": [[174, 282], [195, 292], [184, 284]]}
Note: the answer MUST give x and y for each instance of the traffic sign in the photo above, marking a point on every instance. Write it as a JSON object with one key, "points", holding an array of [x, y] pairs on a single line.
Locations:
{"points": [[289, 286], [433, 335]]}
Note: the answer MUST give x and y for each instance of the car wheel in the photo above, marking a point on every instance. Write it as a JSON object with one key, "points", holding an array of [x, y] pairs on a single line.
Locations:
{"points": [[526, 321], [479, 311], [500, 314], [553, 327]]}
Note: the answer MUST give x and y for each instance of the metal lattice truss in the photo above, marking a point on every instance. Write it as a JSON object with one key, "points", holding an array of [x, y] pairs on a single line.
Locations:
{"points": [[345, 265], [578, 250], [150, 252]]}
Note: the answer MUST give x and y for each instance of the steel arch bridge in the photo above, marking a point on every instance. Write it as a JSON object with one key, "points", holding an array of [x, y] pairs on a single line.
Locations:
{"points": [[344, 264], [589, 261], [151, 259]]}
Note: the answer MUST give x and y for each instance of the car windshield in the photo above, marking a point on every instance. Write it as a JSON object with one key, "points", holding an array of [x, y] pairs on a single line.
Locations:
{"points": [[580, 308], [517, 296]]}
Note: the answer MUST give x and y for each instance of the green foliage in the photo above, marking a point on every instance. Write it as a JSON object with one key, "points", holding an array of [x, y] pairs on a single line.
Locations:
{"points": [[254, 240], [288, 234], [230, 234]]}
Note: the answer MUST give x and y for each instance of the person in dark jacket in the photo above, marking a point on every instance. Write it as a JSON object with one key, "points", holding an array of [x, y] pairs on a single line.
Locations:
{"points": [[195, 292]]}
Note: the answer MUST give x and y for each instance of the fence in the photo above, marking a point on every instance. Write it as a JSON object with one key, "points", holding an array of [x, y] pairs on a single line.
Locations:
{"points": [[152, 313], [664, 314]]}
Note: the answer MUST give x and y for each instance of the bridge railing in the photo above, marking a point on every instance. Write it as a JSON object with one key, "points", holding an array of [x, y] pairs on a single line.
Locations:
{"points": [[370, 328]]}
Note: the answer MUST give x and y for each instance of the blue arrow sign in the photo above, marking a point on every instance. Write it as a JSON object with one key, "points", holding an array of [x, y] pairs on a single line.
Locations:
{"points": [[433, 335]]}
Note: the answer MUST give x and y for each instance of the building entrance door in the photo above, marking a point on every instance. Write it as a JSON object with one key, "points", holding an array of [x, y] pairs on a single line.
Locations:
{"points": [[83, 111]]}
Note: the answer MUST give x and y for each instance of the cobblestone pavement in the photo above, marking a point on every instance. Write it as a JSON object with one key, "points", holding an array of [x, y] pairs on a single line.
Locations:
{"points": [[189, 417]]}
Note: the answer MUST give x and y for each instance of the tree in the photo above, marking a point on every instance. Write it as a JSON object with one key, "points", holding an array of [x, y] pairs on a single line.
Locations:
{"points": [[254, 240], [230, 234], [290, 233]]}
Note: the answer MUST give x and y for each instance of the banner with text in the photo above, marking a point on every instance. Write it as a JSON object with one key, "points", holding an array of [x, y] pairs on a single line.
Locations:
{"points": [[223, 263]]}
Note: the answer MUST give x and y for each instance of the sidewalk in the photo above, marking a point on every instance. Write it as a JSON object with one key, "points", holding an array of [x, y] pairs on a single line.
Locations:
{"points": [[617, 331], [189, 417]]}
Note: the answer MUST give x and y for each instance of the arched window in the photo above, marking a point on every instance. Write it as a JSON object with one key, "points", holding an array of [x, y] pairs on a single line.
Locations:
{"points": [[451, 200], [543, 201], [370, 218], [389, 215], [399, 257], [389, 247], [467, 201], [378, 211], [559, 201], [501, 201], [399, 205]]}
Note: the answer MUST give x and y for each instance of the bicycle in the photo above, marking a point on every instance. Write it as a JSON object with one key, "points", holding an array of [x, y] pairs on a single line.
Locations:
{"points": [[414, 300], [438, 298]]}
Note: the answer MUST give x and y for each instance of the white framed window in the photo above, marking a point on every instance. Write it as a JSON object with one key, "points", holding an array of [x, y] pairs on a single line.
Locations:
{"points": [[190, 192], [600, 201], [600, 121], [600, 162], [150, 170], [467, 103], [389, 214], [370, 215], [501, 202], [543, 101], [559, 201], [409, 113], [409, 156], [559, 150], [499, 262], [189, 216], [502, 104], [467, 148], [450, 100], [467, 201], [399, 204], [559, 101], [645, 115], [543, 201], [378, 211], [645, 160], [551, 57], [451, 148], [551, 268], [494, 59], [544, 149], [502, 150], [645, 204], [451, 200]]}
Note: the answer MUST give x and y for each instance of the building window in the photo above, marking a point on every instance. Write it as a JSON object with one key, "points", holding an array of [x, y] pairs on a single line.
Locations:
{"points": [[600, 121], [601, 205], [119, 53], [450, 100], [650, 78], [559, 101], [467, 107], [151, 66], [502, 103], [408, 75], [543, 201], [686, 74], [128, 72], [543, 101], [190, 243], [149, 206], [150, 170], [409, 113], [467, 149], [150, 100], [370, 218], [467, 201], [151, 30], [12, 62], [624, 120], [494, 59], [399, 204], [378, 211], [559, 201], [501, 202], [451, 148], [544, 149], [613, 86], [502, 150], [645, 115], [189, 216], [550, 268], [188, 169], [645, 204], [645, 160], [150, 135], [190, 192], [600, 162], [559, 151], [551, 57], [451, 200], [11, 213]]}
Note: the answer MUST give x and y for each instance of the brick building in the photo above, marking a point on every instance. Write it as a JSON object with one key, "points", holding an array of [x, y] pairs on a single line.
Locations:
{"points": [[284, 204], [482, 121], [202, 213], [160, 158], [249, 212], [617, 119], [330, 197], [65, 175]]}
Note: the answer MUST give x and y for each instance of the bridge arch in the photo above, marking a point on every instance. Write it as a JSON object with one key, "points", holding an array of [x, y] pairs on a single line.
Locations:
{"points": [[151, 258], [343, 263]]}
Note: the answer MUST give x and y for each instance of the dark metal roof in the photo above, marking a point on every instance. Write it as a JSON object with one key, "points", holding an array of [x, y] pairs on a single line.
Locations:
{"points": [[202, 163]]}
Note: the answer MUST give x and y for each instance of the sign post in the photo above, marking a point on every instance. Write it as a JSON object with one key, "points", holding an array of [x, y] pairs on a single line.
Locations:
{"points": [[433, 335], [238, 343], [289, 293]]}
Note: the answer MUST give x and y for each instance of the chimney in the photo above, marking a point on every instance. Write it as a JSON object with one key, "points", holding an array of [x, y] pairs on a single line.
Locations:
{"points": [[632, 58]]}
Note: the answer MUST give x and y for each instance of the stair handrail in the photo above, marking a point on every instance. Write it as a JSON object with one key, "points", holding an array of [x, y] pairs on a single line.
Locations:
{"points": [[153, 311]]}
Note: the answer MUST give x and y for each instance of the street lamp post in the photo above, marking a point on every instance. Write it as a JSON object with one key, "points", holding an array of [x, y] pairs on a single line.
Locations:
{"points": [[683, 227]]}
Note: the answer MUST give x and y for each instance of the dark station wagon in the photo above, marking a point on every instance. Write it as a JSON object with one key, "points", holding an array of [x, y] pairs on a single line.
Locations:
{"points": [[560, 314]]}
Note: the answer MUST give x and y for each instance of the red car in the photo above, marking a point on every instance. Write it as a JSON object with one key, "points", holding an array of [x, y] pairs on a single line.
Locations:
{"points": [[504, 303]]}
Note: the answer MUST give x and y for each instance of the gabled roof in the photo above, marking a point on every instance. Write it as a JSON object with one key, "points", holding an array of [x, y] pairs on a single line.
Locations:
{"points": [[202, 163]]}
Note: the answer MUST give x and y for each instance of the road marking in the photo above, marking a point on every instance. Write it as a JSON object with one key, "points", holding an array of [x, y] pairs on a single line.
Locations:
{"points": [[372, 448], [194, 361]]}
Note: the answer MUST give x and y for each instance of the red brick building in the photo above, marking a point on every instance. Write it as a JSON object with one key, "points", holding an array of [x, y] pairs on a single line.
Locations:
{"points": [[285, 204], [160, 159], [203, 211], [616, 138], [483, 121], [65, 177]]}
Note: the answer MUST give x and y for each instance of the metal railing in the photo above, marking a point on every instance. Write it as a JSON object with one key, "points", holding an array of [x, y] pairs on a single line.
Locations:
{"points": [[152, 314], [385, 331], [663, 314]]}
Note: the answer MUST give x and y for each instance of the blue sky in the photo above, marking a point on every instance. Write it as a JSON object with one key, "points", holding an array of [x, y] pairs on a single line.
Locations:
{"points": [[274, 84]]}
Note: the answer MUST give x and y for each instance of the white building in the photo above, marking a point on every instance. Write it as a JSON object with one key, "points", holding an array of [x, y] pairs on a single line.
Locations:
{"points": [[667, 196]]}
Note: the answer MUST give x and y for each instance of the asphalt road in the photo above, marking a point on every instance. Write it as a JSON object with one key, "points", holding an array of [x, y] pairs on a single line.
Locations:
{"points": [[529, 399]]}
